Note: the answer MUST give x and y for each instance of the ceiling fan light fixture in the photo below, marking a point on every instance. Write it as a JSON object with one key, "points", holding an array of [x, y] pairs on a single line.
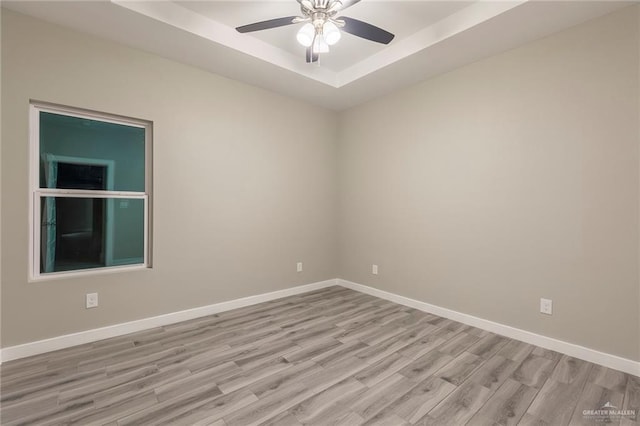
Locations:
{"points": [[331, 33], [320, 45], [306, 35], [323, 26]]}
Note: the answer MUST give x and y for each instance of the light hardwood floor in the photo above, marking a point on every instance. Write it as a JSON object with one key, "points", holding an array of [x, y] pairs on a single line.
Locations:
{"points": [[333, 356]]}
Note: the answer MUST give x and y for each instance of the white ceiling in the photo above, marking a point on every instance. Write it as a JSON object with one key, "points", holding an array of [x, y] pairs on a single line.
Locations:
{"points": [[432, 37], [400, 18]]}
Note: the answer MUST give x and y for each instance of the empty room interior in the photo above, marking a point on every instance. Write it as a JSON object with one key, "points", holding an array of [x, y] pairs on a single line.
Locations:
{"points": [[318, 212]]}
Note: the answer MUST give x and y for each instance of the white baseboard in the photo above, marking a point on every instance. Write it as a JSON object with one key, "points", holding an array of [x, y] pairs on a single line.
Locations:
{"points": [[68, 340], [576, 351], [61, 342]]}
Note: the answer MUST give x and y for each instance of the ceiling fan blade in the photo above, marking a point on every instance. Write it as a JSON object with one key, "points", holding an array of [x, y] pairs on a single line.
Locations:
{"points": [[348, 3], [265, 25], [366, 31], [311, 55]]}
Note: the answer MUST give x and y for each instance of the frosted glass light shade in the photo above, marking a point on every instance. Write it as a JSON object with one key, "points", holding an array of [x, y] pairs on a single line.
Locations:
{"points": [[331, 33], [306, 34], [320, 46]]}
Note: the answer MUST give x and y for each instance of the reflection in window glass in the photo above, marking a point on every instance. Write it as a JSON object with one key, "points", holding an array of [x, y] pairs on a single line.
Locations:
{"points": [[90, 200], [80, 153], [84, 233]]}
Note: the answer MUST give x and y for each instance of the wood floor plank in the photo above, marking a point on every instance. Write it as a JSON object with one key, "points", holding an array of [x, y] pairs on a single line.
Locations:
{"points": [[547, 353], [534, 370], [216, 356], [85, 391], [493, 373], [163, 411], [319, 347], [282, 419], [475, 331], [608, 378], [459, 406], [595, 397], [457, 327], [531, 420], [269, 406], [385, 348], [42, 378], [246, 336], [276, 381], [458, 344], [488, 346], [219, 422], [264, 353], [377, 398], [458, 370], [132, 389], [345, 350], [413, 318], [415, 404], [113, 411], [213, 410], [324, 407], [381, 334], [51, 416], [153, 358], [334, 373], [389, 319], [386, 419], [37, 388], [331, 356], [16, 369], [196, 380], [377, 372], [420, 347], [21, 409], [507, 406], [571, 370], [556, 401], [72, 359], [426, 365], [632, 401], [516, 350], [247, 377]]}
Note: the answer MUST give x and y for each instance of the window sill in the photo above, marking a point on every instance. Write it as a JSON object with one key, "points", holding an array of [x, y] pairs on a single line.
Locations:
{"points": [[87, 272]]}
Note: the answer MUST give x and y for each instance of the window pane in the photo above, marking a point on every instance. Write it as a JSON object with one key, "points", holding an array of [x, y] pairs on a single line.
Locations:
{"points": [[80, 153], [85, 233]]}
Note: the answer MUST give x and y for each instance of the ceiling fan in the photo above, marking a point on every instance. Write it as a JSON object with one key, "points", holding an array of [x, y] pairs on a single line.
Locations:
{"points": [[321, 27]]}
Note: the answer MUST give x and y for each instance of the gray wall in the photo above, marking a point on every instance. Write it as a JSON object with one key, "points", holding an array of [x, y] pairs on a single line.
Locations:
{"points": [[242, 189], [481, 190], [508, 180]]}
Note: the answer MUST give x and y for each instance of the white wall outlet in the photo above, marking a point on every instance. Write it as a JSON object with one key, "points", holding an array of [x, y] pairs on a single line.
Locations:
{"points": [[546, 306], [374, 269], [299, 267], [92, 300]]}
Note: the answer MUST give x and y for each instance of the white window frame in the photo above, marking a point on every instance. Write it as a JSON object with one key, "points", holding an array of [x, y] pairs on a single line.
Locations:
{"points": [[37, 193]]}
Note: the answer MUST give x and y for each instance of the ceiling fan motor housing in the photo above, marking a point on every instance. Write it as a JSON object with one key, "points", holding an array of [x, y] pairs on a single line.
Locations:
{"points": [[318, 19]]}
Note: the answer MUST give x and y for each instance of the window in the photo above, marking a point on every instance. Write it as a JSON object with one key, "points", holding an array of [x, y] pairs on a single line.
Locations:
{"points": [[90, 184]]}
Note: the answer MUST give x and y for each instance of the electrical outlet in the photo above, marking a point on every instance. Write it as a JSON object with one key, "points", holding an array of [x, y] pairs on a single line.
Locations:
{"points": [[374, 269], [546, 306], [299, 267], [92, 300]]}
